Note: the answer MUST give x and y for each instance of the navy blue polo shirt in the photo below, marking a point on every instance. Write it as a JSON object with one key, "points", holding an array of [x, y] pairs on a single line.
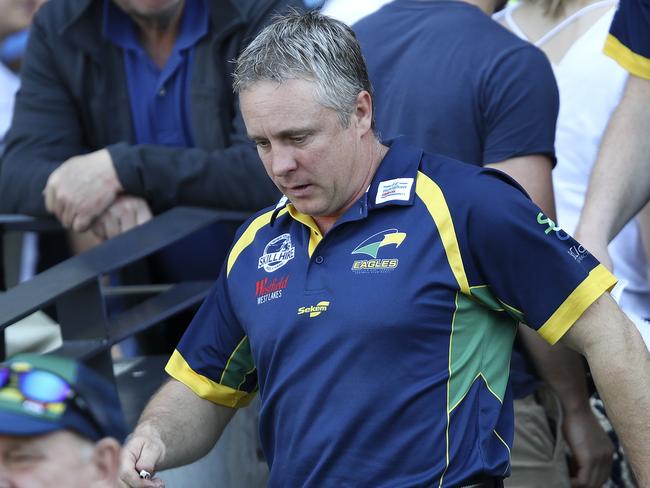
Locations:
{"points": [[381, 351], [454, 82], [159, 97]]}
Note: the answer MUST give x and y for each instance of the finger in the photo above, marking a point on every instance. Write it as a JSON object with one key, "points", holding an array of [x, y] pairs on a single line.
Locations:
{"points": [[56, 203], [133, 480], [129, 473], [68, 216], [148, 458], [98, 229], [128, 217], [111, 225], [48, 196], [82, 219], [143, 213]]}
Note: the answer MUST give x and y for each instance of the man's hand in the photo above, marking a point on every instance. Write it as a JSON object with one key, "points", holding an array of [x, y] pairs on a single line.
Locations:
{"points": [[591, 448], [143, 451], [125, 213], [81, 189]]}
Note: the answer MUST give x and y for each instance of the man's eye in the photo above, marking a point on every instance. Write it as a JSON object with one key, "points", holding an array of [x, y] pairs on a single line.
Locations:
{"points": [[299, 139], [262, 144]]}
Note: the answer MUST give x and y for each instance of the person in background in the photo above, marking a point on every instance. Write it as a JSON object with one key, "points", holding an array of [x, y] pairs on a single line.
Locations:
{"points": [[60, 425], [16, 16], [126, 111], [619, 187], [351, 12], [489, 99], [572, 35], [36, 332]]}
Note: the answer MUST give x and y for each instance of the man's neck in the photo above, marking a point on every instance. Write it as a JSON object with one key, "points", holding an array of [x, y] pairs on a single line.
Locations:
{"points": [[375, 153], [158, 34]]}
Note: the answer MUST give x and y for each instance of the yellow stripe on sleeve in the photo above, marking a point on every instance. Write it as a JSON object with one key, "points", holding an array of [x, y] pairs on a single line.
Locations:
{"points": [[628, 59], [204, 387], [592, 287], [434, 200]]}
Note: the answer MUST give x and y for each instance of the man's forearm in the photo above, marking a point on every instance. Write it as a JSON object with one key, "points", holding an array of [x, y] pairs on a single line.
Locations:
{"points": [[619, 184], [563, 371], [620, 365], [187, 425], [625, 388]]}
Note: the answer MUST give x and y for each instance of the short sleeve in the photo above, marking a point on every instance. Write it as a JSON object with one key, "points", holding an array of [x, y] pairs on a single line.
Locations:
{"points": [[214, 357], [628, 42], [520, 104], [535, 270]]}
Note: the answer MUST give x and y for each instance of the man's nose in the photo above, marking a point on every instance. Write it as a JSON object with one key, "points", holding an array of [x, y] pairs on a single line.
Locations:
{"points": [[283, 160]]}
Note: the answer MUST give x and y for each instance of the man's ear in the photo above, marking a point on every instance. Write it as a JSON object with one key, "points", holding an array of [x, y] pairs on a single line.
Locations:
{"points": [[106, 460], [363, 112]]}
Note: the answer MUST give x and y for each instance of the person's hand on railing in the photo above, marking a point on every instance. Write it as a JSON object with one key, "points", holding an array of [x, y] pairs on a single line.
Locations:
{"points": [[124, 214], [81, 189]]}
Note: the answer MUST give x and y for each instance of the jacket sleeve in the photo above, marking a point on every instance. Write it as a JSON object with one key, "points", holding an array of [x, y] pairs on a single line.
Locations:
{"points": [[226, 178], [45, 131], [231, 178]]}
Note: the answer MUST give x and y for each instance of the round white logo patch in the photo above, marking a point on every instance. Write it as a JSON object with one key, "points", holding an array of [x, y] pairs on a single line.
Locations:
{"points": [[277, 253]]}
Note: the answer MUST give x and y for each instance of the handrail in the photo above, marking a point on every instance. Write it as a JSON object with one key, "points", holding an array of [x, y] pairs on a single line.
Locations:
{"points": [[25, 223], [72, 274]]}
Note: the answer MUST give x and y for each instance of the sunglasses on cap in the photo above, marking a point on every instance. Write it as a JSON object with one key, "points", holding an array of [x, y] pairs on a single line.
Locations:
{"points": [[43, 392]]}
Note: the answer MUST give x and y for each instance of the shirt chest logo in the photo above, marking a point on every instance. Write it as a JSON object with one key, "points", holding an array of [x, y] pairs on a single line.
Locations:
{"points": [[267, 290], [397, 189], [314, 310], [371, 247], [277, 253]]}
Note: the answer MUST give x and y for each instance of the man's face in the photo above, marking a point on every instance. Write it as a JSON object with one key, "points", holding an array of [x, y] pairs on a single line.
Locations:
{"points": [[150, 9], [59, 459], [306, 151]]}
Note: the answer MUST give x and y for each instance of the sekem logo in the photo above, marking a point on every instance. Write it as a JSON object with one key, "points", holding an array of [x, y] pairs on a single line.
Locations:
{"points": [[314, 310]]}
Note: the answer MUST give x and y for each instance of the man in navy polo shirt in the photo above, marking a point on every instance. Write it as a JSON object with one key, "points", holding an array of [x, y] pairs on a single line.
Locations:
{"points": [[375, 307]]}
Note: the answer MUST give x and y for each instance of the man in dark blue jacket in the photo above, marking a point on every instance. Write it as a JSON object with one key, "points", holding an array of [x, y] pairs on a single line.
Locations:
{"points": [[126, 110]]}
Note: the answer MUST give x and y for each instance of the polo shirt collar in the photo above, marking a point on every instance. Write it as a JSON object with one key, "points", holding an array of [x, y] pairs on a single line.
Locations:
{"points": [[393, 183]]}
